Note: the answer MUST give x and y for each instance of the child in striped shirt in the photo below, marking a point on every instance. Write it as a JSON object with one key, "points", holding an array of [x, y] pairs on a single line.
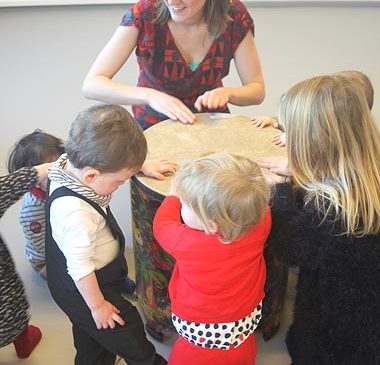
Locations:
{"points": [[34, 149]]}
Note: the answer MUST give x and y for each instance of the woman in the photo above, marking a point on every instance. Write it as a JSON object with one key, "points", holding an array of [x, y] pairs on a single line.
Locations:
{"points": [[184, 49], [333, 231]]}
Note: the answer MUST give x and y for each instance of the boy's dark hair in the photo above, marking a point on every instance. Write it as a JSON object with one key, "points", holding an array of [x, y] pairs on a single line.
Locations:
{"points": [[34, 149], [107, 138]]}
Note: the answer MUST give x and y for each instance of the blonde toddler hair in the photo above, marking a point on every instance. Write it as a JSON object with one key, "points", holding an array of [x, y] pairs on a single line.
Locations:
{"points": [[226, 189]]}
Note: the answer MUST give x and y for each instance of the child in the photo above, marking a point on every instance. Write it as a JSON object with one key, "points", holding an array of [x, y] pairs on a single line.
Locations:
{"points": [[358, 77], [333, 146], [34, 149], [86, 266], [215, 229], [14, 307]]}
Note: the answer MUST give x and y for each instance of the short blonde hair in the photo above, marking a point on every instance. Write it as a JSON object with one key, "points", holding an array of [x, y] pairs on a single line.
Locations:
{"points": [[215, 15], [107, 138], [333, 146], [227, 189]]}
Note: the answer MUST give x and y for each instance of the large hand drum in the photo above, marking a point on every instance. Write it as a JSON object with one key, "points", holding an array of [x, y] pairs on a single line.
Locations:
{"points": [[176, 142]]}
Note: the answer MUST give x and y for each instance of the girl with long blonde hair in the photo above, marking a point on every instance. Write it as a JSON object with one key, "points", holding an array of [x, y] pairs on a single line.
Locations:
{"points": [[333, 233]]}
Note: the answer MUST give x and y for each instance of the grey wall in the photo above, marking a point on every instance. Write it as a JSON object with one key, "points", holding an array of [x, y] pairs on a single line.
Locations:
{"points": [[45, 53]]}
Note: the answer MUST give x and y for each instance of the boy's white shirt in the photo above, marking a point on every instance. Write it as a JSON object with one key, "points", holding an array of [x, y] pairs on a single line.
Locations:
{"points": [[82, 235]]}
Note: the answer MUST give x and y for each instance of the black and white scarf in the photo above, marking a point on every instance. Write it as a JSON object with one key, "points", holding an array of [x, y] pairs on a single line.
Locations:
{"points": [[64, 178]]}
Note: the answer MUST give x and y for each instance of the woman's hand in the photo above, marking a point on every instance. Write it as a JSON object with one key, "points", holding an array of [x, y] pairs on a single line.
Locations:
{"points": [[172, 107], [158, 168], [213, 99]]}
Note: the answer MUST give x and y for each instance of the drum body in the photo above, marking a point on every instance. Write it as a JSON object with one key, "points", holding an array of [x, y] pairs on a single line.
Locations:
{"points": [[176, 142], [153, 265]]}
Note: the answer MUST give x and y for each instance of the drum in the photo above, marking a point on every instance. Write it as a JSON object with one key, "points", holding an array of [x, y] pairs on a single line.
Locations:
{"points": [[175, 141]]}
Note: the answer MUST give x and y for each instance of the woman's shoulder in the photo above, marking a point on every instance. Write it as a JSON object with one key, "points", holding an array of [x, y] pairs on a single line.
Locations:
{"points": [[238, 10], [142, 11]]}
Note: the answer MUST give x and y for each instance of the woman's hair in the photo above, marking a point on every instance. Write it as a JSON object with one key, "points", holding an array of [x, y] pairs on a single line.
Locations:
{"points": [[215, 14], [226, 189], [333, 147], [107, 138], [34, 149], [363, 81]]}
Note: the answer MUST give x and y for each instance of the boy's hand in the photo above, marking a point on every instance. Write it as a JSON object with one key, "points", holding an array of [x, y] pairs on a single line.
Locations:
{"points": [[158, 168], [105, 315]]}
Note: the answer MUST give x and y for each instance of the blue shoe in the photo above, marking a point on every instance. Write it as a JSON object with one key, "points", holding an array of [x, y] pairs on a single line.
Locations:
{"points": [[130, 286]]}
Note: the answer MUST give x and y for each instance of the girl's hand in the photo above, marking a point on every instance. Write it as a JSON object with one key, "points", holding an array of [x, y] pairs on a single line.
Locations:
{"points": [[172, 107], [272, 178], [158, 168], [279, 140], [106, 315], [213, 99], [277, 165], [262, 121], [42, 171]]}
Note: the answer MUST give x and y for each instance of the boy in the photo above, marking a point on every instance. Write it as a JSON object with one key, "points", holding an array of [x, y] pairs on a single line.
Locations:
{"points": [[86, 266]]}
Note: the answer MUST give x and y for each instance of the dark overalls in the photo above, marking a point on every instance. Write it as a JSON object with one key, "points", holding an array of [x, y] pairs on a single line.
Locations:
{"points": [[98, 347]]}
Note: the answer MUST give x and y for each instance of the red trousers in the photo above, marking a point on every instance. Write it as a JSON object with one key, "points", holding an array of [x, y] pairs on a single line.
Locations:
{"points": [[185, 353]]}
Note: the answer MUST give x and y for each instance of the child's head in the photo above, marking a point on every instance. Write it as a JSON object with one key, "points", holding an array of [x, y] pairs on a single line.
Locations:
{"points": [[364, 83], [34, 149], [227, 193], [333, 147], [108, 145]]}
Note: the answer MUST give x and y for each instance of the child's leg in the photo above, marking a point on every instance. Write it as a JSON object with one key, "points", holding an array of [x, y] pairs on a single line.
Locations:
{"points": [[185, 353], [128, 341], [26, 341], [90, 351]]}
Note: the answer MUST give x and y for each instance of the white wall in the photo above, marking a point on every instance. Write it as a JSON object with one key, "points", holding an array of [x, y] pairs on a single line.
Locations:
{"points": [[45, 53]]}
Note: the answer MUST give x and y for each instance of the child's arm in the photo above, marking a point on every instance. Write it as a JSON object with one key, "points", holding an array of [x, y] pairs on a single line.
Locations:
{"points": [[167, 226], [158, 168], [104, 313]]}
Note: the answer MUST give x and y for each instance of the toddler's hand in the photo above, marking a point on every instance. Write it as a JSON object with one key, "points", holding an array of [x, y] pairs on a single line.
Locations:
{"points": [[158, 168], [262, 121], [279, 140], [106, 315]]}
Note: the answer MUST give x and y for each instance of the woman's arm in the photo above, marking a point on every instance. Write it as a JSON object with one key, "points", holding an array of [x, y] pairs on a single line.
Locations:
{"points": [[99, 83], [248, 67]]}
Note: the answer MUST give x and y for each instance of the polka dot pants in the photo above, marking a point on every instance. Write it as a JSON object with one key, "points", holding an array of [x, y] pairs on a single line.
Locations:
{"points": [[220, 336]]}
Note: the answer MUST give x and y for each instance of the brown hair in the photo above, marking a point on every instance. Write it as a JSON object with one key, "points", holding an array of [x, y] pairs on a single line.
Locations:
{"points": [[215, 14], [107, 138], [34, 149]]}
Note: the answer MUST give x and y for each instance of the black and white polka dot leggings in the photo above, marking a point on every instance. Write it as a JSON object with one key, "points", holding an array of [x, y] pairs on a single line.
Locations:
{"points": [[218, 335]]}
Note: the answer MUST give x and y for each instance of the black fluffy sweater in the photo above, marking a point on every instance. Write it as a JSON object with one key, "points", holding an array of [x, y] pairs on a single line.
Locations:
{"points": [[337, 309]]}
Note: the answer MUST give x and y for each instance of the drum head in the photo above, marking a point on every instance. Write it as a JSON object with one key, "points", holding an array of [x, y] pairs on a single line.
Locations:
{"points": [[211, 132]]}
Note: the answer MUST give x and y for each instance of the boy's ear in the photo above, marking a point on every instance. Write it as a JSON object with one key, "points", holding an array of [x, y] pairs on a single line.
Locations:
{"points": [[90, 175]]}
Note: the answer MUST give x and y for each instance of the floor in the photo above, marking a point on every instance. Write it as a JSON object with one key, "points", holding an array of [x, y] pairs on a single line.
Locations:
{"points": [[56, 346]]}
